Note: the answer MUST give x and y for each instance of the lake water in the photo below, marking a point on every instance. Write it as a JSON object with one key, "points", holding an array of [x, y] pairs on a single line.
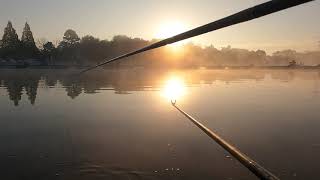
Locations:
{"points": [[119, 124]]}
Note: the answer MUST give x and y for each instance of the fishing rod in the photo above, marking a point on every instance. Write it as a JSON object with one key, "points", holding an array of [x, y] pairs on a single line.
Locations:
{"points": [[240, 17], [253, 166]]}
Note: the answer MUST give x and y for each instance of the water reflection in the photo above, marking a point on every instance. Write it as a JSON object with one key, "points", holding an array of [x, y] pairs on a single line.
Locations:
{"points": [[20, 82], [17, 85], [73, 133], [174, 89]]}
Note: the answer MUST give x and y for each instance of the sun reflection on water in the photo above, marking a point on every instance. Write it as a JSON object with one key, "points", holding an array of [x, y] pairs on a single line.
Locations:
{"points": [[174, 89]]}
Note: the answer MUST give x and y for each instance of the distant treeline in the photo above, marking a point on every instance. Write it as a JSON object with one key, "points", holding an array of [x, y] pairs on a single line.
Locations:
{"points": [[73, 50]]}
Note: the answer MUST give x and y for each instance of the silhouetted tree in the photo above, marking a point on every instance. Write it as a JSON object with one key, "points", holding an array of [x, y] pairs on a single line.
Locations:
{"points": [[10, 42], [10, 37], [27, 37], [29, 48], [69, 46], [49, 52], [70, 39], [48, 47], [92, 49]]}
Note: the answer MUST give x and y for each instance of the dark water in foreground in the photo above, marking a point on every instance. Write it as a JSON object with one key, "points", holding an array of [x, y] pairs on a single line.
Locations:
{"points": [[118, 124]]}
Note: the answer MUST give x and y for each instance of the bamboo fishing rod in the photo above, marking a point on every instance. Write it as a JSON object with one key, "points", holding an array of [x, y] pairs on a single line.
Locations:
{"points": [[254, 167], [240, 17]]}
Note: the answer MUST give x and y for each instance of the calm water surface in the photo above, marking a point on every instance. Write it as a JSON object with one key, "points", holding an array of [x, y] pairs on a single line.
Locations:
{"points": [[119, 124]]}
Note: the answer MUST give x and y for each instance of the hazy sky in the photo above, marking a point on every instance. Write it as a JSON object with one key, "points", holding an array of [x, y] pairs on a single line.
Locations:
{"points": [[296, 28]]}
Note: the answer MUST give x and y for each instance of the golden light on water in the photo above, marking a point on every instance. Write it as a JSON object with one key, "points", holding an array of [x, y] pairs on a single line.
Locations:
{"points": [[174, 89]]}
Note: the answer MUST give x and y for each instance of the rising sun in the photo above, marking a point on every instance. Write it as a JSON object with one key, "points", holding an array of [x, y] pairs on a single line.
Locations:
{"points": [[170, 29]]}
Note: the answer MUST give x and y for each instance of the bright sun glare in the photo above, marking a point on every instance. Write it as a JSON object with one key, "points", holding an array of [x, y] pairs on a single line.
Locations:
{"points": [[174, 89], [170, 29]]}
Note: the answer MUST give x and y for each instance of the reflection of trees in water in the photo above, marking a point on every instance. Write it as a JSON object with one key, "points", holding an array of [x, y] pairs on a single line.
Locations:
{"points": [[14, 89], [31, 87], [74, 90], [16, 84], [126, 81], [286, 77], [50, 81]]}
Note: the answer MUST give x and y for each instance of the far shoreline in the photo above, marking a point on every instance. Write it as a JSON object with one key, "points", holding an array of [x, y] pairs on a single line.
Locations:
{"points": [[41, 67]]}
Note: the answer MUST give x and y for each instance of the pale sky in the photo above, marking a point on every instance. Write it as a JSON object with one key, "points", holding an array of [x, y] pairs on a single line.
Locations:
{"points": [[297, 28]]}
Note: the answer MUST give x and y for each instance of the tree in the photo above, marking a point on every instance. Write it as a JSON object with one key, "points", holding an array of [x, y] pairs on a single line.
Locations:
{"points": [[29, 48], [70, 39], [27, 37], [91, 48], [49, 51], [48, 47], [260, 57], [10, 42], [10, 37], [69, 47]]}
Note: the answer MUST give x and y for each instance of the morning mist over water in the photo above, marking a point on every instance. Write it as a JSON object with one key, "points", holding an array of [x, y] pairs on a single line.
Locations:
{"points": [[20, 83], [147, 90]]}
